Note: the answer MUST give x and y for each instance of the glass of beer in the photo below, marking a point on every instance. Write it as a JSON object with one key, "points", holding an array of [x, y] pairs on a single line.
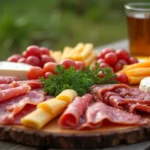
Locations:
{"points": [[138, 20]]}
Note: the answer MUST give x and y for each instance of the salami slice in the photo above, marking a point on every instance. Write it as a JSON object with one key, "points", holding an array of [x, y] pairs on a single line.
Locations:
{"points": [[8, 79], [13, 92], [98, 113], [9, 109], [71, 117]]}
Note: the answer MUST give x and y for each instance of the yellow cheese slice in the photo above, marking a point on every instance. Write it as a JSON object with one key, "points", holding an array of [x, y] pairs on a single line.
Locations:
{"points": [[53, 106], [67, 95], [37, 119]]}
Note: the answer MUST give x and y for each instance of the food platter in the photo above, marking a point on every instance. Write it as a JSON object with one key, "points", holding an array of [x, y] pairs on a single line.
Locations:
{"points": [[52, 136]]}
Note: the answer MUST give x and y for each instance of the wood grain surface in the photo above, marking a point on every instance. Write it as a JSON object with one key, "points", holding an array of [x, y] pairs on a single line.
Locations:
{"points": [[52, 136]]}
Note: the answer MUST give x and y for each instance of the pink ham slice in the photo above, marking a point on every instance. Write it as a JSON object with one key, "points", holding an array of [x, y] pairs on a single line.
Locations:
{"points": [[99, 112], [71, 117], [8, 79], [12, 107], [13, 92]]}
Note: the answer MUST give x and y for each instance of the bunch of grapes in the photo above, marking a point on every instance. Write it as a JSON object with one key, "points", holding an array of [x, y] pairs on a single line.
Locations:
{"points": [[115, 59], [33, 55]]}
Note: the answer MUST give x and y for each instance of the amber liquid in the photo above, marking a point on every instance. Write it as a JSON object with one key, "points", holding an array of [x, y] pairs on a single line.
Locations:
{"points": [[139, 34]]}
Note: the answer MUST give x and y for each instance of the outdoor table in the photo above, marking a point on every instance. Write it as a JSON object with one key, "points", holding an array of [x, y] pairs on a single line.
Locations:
{"points": [[6, 145]]}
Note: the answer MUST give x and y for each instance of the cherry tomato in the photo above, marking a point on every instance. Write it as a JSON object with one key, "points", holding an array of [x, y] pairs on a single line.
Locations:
{"points": [[32, 51], [68, 63], [47, 75], [14, 58], [33, 60], [122, 54], [106, 51], [49, 67], [122, 78], [45, 59], [35, 73], [80, 65], [133, 60], [117, 67], [44, 51], [22, 60], [111, 58]]}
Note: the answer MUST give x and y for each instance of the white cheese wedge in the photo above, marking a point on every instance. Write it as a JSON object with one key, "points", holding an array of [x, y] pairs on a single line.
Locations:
{"points": [[145, 84], [14, 69]]}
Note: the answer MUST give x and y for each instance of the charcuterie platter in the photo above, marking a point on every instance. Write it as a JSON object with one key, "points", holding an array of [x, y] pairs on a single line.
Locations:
{"points": [[84, 100]]}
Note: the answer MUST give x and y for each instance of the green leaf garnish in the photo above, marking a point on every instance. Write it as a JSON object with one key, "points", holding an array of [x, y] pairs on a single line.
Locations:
{"points": [[78, 80]]}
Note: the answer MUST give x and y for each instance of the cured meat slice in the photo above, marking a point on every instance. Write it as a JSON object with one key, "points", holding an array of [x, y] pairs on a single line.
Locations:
{"points": [[8, 109], [5, 86], [99, 112], [33, 83], [100, 90], [13, 92], [71, 117], [8, 79]]}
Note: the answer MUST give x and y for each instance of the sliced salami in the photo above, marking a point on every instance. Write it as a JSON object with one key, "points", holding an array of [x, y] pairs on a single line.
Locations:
{"points": [[8, 79], [71, 117], [98, 113]]}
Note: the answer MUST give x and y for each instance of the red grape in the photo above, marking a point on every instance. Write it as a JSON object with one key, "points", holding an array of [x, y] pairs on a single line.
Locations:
{"points": [[33, 60], [101, 60], [44, 51], [103, 65], [122, 54], [14, 58], [123, 62], [32, 51], [22, 60], [99, 56], [133, 60], [47, 75], [106, 51], [111, 58], [122, 78], [45, 59], [118, 66], [80, 65], [68, 63]]}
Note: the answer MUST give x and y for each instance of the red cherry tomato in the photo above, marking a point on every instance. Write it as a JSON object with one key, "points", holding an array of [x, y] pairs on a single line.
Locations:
{"points": [[80, 65], [22, 60], [122, 78], [122, 54], [47, 75], [33, 60], [67, 63], [35, 73], [106, 51], [45, 59], [111, 58], [14, 58], [103, 65], [32, 51], [44, 51], [101, 60], [49, 67]]}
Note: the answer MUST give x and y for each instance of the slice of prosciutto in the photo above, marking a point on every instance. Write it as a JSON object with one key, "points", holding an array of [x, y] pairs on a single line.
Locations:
{"points": [[99, 112], [71, 117], [8, 79], [9, 109]]}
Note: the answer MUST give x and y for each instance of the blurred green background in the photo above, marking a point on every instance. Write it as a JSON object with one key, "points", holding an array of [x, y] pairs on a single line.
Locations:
{"points": [[57, 23]]}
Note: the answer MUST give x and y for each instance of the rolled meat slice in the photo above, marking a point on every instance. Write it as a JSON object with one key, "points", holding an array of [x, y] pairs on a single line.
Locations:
{"points": [[99, 112], [13, 92], [8, 79], [71, 117]]}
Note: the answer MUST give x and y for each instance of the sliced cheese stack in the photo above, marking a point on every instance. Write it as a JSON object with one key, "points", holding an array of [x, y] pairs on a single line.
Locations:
{"points": [[145, 84], [49, 109]]}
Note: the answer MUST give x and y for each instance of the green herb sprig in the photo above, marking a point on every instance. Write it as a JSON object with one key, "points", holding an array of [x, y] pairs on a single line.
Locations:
{"points": [[78, 80]]}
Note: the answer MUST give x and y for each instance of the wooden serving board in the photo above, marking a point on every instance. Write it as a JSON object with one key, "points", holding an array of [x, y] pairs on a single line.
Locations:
{"points": [[52, 136]]}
